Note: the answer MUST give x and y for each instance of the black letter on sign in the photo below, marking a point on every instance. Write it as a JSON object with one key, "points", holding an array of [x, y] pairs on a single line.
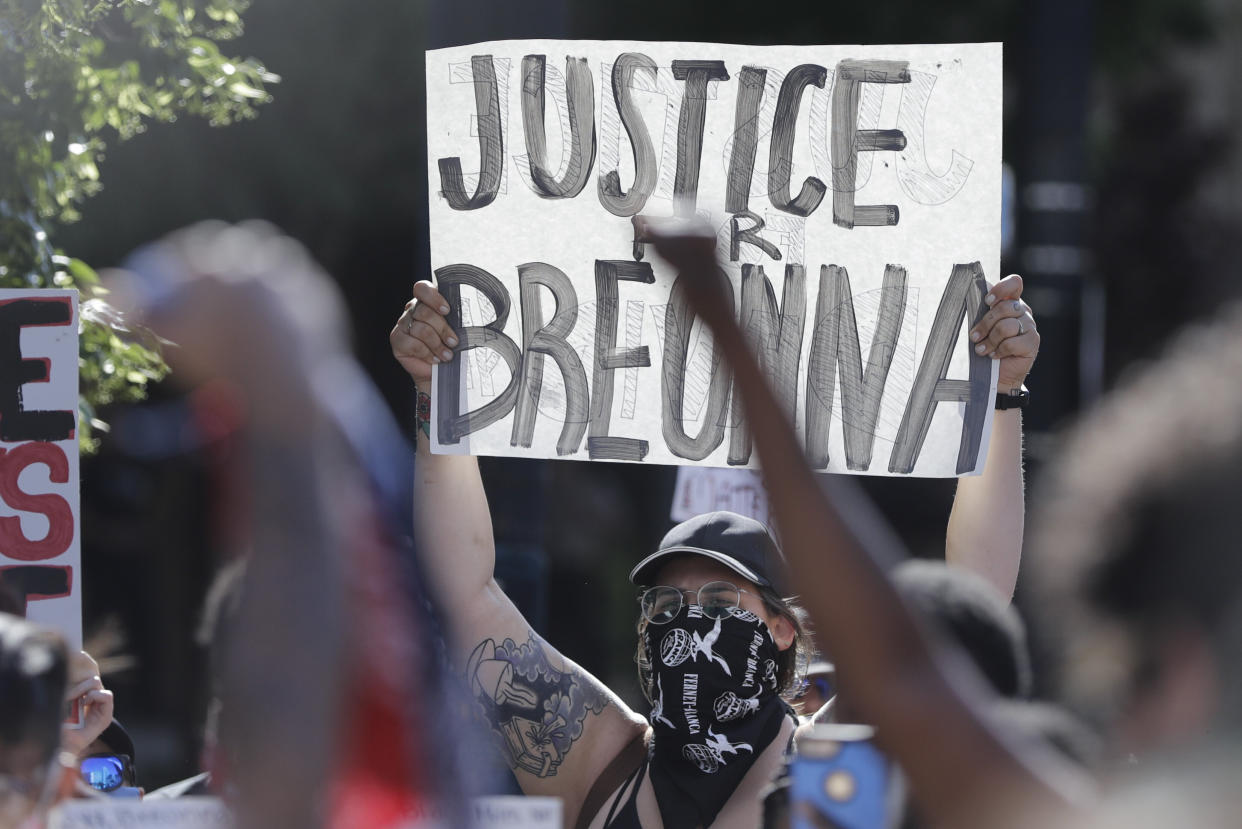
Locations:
{"points": [[16, 423], [836, 341], [848, 141], [491, 144], [608, 358], [962, 296], [750, 236], [451, 426], [33, 582], [580, 99], [696, 74], [611, 197], [780, 157], [678, 322], [750, 83], [539, 340], [776, 339]]}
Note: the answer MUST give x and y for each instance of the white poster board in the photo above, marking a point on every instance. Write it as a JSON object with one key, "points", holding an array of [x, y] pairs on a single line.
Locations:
{"points": [[112, 813], [40, 549], [855, 192]]}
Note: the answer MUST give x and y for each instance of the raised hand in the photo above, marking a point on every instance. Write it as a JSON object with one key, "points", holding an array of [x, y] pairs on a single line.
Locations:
{"points": [[422, 336], [1007, 332]]}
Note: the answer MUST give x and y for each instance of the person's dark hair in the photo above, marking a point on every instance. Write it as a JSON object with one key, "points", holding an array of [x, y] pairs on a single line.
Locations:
{"points": [[790, 663], [34, 666], [975, 616], [1137, 524]]}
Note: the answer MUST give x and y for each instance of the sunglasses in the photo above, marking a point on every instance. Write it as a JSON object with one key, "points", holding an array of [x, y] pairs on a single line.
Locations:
{"points": [[825, 684], [107, 772], [717, 598]]}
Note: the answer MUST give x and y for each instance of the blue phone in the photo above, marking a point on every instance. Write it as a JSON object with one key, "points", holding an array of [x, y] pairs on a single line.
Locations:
{"points": [[839, 780]]}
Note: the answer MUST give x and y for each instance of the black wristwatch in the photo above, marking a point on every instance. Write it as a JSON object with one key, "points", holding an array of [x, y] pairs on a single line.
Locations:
{"points": [[1016, 399]]}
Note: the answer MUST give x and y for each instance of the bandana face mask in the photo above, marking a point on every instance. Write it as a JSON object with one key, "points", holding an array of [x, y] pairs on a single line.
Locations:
{"points": [[715, 708]]}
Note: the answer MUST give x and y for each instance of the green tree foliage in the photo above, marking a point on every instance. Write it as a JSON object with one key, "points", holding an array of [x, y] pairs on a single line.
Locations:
{"points": [[75, 74]]}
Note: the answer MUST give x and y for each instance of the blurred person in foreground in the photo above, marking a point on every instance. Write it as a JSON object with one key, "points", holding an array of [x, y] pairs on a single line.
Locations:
{"points": [[328, 681], [712, 591], [1139, 533], [34, 773]]}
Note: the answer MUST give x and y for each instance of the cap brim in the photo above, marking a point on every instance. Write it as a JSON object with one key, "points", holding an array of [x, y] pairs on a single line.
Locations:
{"points": [[643, 572]]}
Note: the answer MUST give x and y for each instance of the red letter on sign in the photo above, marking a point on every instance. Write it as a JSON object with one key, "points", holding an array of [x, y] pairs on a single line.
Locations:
{"points": [[13, 543]]}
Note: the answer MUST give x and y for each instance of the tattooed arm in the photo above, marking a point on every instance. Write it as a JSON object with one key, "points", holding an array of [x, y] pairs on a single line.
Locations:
{"points": [[555, 724]]}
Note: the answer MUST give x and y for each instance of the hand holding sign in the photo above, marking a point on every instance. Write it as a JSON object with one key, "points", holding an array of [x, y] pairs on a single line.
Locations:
{"points": [[87, 689], [422, 336], [1008, 332]]}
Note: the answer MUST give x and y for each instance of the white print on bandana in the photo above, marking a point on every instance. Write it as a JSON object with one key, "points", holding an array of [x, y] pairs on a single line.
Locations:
{"points": [[729, 706], [690, 701], [752, 660], [769, 672], [709, 756], [657, 708], [744, 615], [678, 646]]}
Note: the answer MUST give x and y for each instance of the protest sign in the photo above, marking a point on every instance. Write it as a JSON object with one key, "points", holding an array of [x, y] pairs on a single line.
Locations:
{"points": [[113, 813], [494, 812], [703, 489], [40, 557], [860, 185]]}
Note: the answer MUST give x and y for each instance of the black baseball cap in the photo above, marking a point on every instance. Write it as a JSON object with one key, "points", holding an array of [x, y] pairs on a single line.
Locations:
{"points": [[742, 544]]}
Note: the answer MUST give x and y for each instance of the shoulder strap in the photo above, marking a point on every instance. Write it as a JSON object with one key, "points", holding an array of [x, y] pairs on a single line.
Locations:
{"points": [[613, 775]]}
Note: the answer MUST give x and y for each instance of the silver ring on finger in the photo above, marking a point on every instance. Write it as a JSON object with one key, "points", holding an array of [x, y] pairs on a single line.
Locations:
{"points": [[409, 326], [1021, 328]]}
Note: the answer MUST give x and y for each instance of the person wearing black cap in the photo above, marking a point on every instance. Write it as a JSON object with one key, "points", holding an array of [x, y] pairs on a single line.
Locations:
{"points": [[718, 643]]}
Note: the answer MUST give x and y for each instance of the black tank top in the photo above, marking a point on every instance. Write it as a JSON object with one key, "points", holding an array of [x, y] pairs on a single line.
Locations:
{"points": [[625, 815]]}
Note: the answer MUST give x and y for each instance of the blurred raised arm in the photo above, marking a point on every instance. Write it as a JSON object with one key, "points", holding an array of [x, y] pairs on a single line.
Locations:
{"points": [[927, 712]]}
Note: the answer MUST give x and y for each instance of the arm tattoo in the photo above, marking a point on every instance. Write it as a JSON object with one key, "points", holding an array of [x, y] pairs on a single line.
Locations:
{"points": [[535, 711]]}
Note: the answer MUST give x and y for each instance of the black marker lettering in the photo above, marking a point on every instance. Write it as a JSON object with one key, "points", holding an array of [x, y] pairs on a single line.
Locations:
{"points": [[750, 236], [848, 141], [538, 341], [963, 296], [17, 423], [750, 84], [614, 200], [491, 144], [777, 340], [780, 159], [696, 74], [580, 100], [609, 358], [836, 341], [678, 322], [451, 425], [35, 582]]}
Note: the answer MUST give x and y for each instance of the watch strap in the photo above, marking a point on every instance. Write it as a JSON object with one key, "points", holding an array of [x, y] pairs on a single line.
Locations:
{"points": [[1018, 398]]}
